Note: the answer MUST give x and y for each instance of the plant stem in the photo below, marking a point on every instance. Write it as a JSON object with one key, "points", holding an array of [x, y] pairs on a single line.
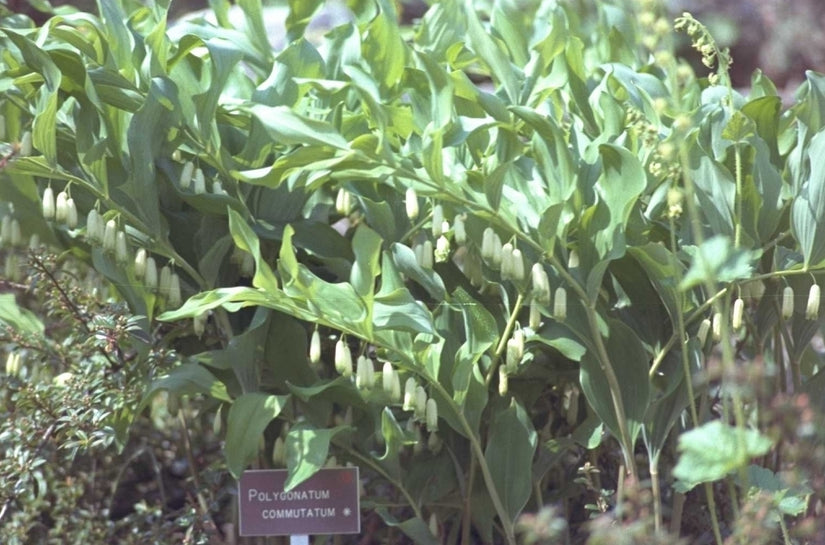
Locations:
{"points": [[505, 336], [380, 470]]}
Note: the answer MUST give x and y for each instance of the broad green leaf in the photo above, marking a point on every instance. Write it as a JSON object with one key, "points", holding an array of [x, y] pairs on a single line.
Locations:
{"points": [[246, 240], [428, 279], [662, 269], [715, 449], [300, 14], [808, 211], [187, 379], [248, 417], [289, 128], [366, 245], [716, 260], [630, 364], [491, 53], [511, 444], [385, 52], [44, 135], [306, 451], [147, 133], [18, 318]]}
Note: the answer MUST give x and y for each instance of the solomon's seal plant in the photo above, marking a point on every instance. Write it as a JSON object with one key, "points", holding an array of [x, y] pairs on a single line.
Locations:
{"points": [[288, 206]]}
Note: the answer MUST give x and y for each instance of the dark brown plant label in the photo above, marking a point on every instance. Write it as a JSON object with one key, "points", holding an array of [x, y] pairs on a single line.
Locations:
{"points": [[326, 503]]}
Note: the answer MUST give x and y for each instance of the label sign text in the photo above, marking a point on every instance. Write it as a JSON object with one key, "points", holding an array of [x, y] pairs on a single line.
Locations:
{"points": [[326, 503]]}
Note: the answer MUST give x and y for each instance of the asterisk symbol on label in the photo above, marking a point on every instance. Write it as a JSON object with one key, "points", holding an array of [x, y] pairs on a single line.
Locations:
{"points": [[347, 511]]}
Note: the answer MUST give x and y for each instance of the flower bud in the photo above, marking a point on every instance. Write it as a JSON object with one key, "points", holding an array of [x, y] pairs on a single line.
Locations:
{"points": [[331, 463], [5, 231], [217, 188], [121, 248], [420, 409], [716, 326], [343, 202], [16, 235], [71, 213], [315, 348], [442, 249], [432, 415], [812, 309], [217, 422], [411, 203], [409, 394], [503, 382], [517, 265], [535, 316], [13, 364], [199, 181], [560, 304], [140, 263], [12, 269], [424, 254], [737, 313], [487, 249], [48, 205], [515, 351], [110, 236], [787, 302], [433, 525], [702, 333], [279, 452], [386, 377], [94, 226], [507, 261], [165, 280], [26, 144], [573, 259], [459, 230], [541, 283], [186, 174], [395, 395], [174, 291], [343, 358], [151, 274], [61, 208], [418, 446], [365, 373], [176, 156], [34, 241], [438, 220], [199, 323]]}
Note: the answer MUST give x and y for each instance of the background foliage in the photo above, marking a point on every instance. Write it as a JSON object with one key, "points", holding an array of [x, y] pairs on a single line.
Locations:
{"points": [[515, 258]]}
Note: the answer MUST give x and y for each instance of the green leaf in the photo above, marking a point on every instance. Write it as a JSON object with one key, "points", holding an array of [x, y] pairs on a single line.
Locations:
{"points": [[630, 364], [808, 211], [716, 260], [306, 451], [713, 450], [247, 241], [488, 49], [18, 318], [404, 259], [248, 417], [290, 128], [511, 444], [187, 379], [147, 133], [366, 245]]}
